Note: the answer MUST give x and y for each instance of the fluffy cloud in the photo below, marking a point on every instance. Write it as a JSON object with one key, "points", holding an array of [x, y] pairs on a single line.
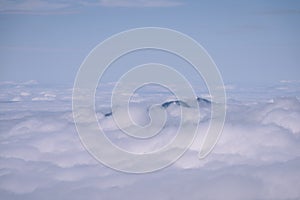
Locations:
{"points": [[41, 156]]}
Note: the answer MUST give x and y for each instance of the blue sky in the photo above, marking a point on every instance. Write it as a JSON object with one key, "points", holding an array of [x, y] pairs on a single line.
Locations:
{"points": [[254, 42]]}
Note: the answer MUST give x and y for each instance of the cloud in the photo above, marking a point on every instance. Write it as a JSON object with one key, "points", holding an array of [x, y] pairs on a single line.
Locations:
{"points": [[140, 3], [41, 156], [280, 12], [289, 81], [33, 6], [68, 6]]}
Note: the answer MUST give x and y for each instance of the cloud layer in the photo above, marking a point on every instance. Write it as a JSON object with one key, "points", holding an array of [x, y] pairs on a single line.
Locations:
{"points": [[41, 156]]}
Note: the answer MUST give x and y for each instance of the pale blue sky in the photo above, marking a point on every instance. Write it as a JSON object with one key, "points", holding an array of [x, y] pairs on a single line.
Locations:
{"points": [[251, 41]]}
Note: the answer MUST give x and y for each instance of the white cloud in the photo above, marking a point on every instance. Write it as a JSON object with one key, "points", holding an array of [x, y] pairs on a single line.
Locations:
{"points": [[289, 81], [69, 6], [140, 3], [41, 156], [31, 6]]}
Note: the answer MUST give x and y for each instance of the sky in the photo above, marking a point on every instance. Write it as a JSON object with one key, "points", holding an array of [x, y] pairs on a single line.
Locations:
{"points": [[252, 42]]}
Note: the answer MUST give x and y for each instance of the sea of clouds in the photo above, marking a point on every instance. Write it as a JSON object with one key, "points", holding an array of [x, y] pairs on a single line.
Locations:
{"points": [[257, 156]]}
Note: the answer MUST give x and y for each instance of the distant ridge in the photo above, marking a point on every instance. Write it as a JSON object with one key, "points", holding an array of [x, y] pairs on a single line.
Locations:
{"points": [[174, 102]]}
